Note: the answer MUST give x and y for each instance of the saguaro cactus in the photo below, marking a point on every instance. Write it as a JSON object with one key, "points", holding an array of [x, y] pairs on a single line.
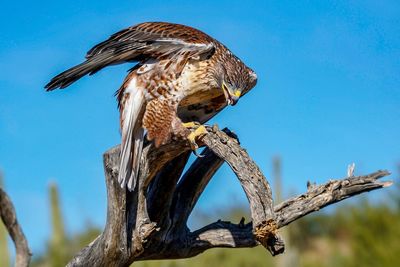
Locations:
{"points": [[290, 258], [57, 244]]}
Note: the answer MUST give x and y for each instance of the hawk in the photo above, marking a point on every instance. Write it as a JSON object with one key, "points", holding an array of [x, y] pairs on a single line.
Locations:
{"points": [[182, 78]]}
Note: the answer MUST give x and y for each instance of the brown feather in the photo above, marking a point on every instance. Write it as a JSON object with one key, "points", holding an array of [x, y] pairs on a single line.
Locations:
{"points": [[179, 73], [158, 120]]}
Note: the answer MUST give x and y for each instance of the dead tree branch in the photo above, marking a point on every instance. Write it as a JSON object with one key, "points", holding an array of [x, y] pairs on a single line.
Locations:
{"points": [[151, 222], [9, 218], [226, 234]]}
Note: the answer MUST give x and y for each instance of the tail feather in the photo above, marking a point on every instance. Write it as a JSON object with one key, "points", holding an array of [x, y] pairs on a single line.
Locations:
{"points": [[73, 74], [138, 136], [132, 136]]}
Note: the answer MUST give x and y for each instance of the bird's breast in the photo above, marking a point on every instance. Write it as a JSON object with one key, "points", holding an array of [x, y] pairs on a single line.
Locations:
{"points": [[198, 83]]}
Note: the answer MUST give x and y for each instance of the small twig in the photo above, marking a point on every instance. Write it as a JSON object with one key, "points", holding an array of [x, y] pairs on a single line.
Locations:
{"points": [[331, 192], [9, 217], [350, 169]]}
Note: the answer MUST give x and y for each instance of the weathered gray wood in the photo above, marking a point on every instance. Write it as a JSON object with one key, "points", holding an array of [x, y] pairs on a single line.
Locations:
{"points": [[9, 218], [227, 234], [192, 184], [130, 235], [331, 192], [162, 188], [254, 184], [128, 224], [110, 248]]}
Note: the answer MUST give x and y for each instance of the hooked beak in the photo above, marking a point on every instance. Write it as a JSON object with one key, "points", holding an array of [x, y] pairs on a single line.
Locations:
{"points": [[231, 97]]}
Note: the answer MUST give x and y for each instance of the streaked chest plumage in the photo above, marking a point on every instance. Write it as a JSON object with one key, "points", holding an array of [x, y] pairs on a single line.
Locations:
{"points": [[194, 83]]}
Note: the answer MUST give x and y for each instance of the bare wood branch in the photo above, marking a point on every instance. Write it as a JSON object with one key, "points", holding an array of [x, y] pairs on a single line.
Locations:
{"points": [[128, 224], [9, 218], [227, 234], [130, 235], [254, 184], [162, 188], [329, 193], [111, 247], [192, 185]]}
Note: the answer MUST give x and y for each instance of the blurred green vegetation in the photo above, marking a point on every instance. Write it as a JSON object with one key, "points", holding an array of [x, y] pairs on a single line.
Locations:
{"points": [[4, 253], [60, 248], [362, 232]]}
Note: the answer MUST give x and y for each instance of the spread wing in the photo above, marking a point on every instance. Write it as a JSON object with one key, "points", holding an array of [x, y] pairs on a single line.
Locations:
{"points": [[151, 40]]}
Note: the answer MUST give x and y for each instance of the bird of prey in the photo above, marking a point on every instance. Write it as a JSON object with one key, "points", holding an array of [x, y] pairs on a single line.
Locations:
{"points": [[182, 78]]}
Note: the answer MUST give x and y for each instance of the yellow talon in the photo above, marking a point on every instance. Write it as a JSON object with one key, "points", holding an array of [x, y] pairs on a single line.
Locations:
{"points": [[191, 124], [198, 132]]}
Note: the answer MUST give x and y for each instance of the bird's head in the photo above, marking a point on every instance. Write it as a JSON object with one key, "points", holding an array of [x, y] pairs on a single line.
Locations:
{"points": [[236, 81]]}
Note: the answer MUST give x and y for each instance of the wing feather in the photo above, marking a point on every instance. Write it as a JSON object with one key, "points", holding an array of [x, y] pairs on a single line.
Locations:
{"points": [[153, 37], [132, 135], [140, 43]]}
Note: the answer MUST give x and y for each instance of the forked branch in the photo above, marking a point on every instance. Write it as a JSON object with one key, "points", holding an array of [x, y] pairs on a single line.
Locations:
{"points": [[227, 234], [151, 222]]}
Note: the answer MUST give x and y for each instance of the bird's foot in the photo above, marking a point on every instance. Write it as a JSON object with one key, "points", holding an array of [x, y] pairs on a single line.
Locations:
{"points": [[198, 132], [191, 124]]}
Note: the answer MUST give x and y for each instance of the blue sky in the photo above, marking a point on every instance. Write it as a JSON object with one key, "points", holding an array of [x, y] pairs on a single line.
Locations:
{"points": [[328, 95]]}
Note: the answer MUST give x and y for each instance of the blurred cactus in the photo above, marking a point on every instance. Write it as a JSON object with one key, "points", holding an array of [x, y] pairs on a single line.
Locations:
{"points": [[58, 242], [4, 253], [290, 258], [277, 178], [61, 248], [58, 234]]}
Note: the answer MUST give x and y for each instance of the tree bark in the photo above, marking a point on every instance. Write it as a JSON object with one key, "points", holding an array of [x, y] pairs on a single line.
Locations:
{"points": [[151, 221], [9, 218]]}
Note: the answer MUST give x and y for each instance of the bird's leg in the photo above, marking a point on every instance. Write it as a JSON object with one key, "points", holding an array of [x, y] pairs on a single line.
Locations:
{"points": [[199, 131]]}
